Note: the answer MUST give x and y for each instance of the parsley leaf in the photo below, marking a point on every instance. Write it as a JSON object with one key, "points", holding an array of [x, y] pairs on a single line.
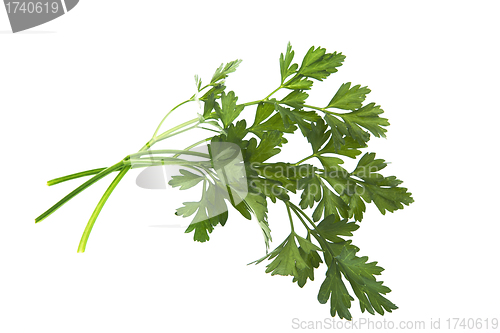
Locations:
{"points": [[187, 180], [275, 122], [311, 258], [384, 191], [330, 203], [228, 111], [319, 65], [291, 117], [367, 117], [223, 71], [286, 68], [318, 135], [349, 98], [216, 89], [288, 260], [360, 275], [295, 99], [333, 288], [256, 204], [211, 211], [299, 83], [267, 147], [209, 105], [349, 147], [331, 228], [311, 191]]}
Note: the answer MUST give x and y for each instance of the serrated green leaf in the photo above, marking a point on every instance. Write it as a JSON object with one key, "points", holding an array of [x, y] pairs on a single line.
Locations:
{"points": [[286, 174], [286, 68], [211, 210], [311, 194], [349, 147], [266, 149], [360, 275], [256, 203], [272, 189], [235, 133], [216, 90], [368, 118], [299, 83], [286, 259], [295, 99], [260, 126], [228, 111], [188, 209], [319, 65], [318, 135], [332, 166], [290, 117], [331, 228], [312, 259], [333, 288], [264, 110], [310, 116], [387, 198], [356, 205], [197, 81], [330, 203], [349, 98], [338, 129], [223, 71], [209, 105], [273, 123], [383, 191], [306, 245], [187, 180], [335, 175], [368, 167]]}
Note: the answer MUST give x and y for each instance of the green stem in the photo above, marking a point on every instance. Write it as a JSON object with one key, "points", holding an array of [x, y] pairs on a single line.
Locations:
{"points": [[287, 203], [181, 131], [162, 151], [170, 132], [305, 159], [98, 208], [164, 118], [167, 134], [315, 108], [79, 189], [177, 106], [74, 176], [169, 151], [265, 99], [298, 209], [321, 239], [322, 110], [251, 103], [309, 230], [273, 92], [218, 131], [142, 162], [211, 174], [194, 145]]}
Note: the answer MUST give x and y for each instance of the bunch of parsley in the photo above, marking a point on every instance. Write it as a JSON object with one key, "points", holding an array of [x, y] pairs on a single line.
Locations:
{"points": [[336, 196]]}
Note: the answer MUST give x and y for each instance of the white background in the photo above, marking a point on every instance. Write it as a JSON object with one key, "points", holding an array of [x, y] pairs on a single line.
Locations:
{"points": [[89, 88]]}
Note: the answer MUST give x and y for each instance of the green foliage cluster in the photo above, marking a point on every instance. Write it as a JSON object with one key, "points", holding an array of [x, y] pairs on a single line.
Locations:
{"points": [[337, 197]]}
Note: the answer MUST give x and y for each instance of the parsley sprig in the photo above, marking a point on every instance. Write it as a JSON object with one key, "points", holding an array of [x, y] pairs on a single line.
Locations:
{"points": [[336, 196]]}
